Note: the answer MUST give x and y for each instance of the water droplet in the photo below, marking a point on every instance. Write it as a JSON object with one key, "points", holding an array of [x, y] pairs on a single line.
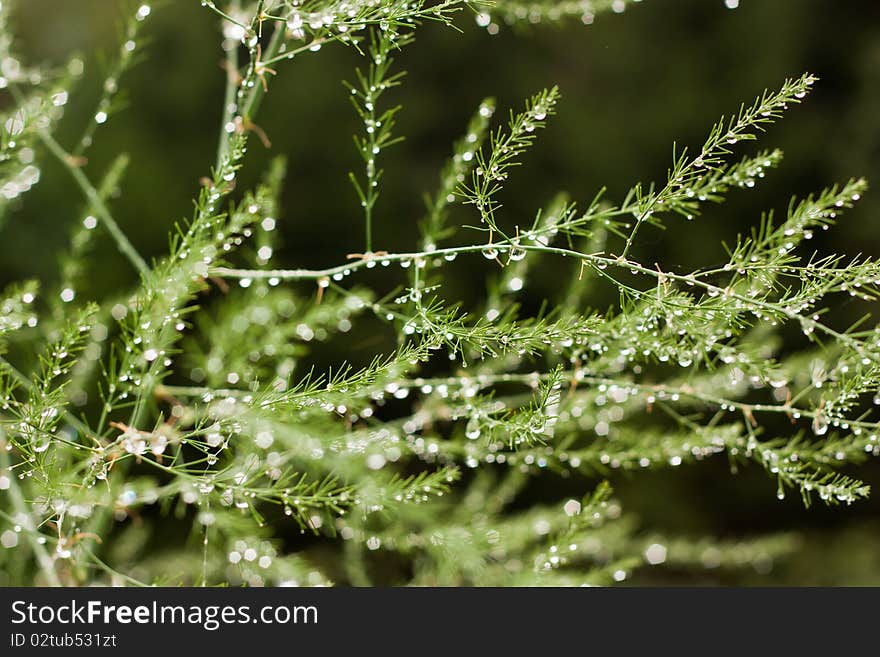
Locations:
{"points": [[9, 539], [516, 254], [655, 554]]}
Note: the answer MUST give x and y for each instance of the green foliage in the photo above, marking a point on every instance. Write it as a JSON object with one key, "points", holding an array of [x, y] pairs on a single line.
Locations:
{"points": [[197, 407]]}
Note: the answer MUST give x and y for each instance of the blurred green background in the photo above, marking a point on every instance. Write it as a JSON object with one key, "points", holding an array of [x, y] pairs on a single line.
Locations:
{"points": [[632, 84]]}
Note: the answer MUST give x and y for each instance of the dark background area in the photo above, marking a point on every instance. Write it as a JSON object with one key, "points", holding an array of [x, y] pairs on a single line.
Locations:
{"points": [[632, 85]]}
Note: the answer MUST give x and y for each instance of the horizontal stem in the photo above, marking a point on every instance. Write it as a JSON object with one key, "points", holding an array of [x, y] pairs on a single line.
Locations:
{"points": [[599, 260], [531, 378]]}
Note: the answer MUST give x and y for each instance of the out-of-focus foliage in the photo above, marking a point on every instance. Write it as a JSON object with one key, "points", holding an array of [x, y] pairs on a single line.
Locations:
{"points": [[371, 411]]}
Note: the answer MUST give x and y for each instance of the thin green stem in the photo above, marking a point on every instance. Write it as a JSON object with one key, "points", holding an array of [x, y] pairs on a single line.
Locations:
{"points": [[290, 54], [94, 197], [252, 104], [114, 573], [231, 65], [111, 83], [531, 378], [213, 7], [599, 260]]}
